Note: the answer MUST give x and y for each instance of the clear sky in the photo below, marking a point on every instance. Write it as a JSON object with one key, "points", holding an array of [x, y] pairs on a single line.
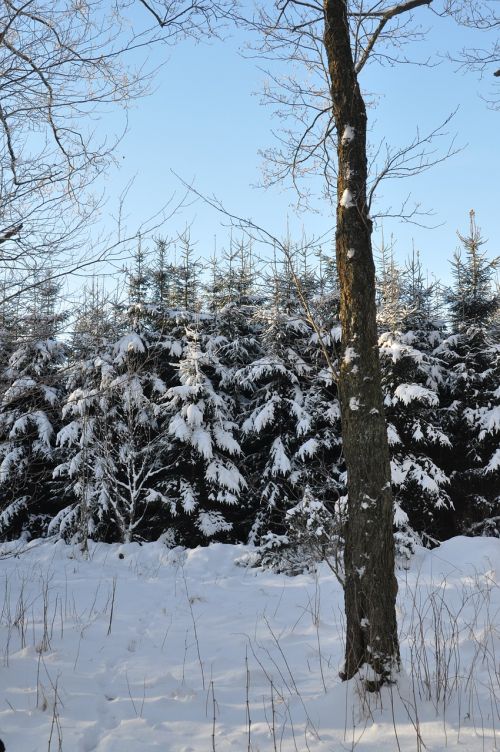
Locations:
{"points": [[204, 121]]}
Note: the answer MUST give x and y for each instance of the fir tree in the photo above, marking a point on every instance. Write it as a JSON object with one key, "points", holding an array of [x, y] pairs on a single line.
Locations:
{"points": [[205, 484], [116, 442], [472, 357], [95, 323], [472, 299], [413, 382], [292, 415], [30, 418], [390, 306], [138, 277]]}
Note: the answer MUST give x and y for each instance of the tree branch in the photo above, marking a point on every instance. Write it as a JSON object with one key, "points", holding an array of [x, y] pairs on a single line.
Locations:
{"points": [[385, 17]]}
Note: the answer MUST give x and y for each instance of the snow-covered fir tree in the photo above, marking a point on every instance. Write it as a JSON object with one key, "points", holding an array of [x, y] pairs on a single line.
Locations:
{"points": [[10, 326], [413, 379], [473, 299], [30, 417], [231, 332], [185, 274], [205, 484], [232, 275], [232, 298], [277, 420], [390, 305], [472, 355], [292, 423], [115, 440]]}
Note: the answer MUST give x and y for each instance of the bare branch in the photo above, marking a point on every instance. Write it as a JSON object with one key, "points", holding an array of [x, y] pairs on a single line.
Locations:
{"points": [[385, 17]]}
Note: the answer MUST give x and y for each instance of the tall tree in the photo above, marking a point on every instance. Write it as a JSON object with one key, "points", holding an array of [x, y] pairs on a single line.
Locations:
{"points": [[115, 440], [370, 582], [333, 40], [293, 445], [472, 299]]}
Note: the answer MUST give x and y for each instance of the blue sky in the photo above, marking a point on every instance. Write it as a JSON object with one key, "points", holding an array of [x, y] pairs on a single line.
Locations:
{"points": [[204, 121]]}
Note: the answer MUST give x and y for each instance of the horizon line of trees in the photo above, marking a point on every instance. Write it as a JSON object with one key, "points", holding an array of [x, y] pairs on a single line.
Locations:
{"points": [[205, 407]]}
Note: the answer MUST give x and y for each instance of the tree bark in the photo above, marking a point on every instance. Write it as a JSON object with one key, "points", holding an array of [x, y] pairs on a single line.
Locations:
{"points": [[370, 583]]}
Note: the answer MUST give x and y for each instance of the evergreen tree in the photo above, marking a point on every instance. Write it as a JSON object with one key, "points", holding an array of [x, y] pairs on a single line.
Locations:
{"points": [[390, 306], [421, 301], [186, 274], [472, 356], [116, 442], [138, 276], [205, 484], [95, 324], [9, 328], [413, 382], [292, 423], [161, 275], [472, 299], [30, 418]]}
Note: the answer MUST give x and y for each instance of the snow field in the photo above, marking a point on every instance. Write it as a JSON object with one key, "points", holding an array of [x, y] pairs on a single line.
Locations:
{"points": [[146, 648]]}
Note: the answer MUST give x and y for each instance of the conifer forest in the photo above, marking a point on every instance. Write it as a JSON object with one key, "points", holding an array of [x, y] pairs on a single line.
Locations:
{"points": [[203, 406]]}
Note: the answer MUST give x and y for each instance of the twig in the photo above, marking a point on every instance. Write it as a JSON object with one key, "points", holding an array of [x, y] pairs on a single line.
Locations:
{"points": [[113, 593], [190, 603], [249, 720]]}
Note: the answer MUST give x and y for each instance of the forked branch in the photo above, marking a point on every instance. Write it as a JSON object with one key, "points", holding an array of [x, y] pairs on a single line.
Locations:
{"points": [[385, 16]]}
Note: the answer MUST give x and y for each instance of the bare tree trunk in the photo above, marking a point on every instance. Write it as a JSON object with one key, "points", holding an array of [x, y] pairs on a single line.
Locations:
{"points": [[370, 583]]}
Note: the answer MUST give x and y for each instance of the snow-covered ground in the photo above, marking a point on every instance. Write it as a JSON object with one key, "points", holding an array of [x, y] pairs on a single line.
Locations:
{"points": [[141, 648]]}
